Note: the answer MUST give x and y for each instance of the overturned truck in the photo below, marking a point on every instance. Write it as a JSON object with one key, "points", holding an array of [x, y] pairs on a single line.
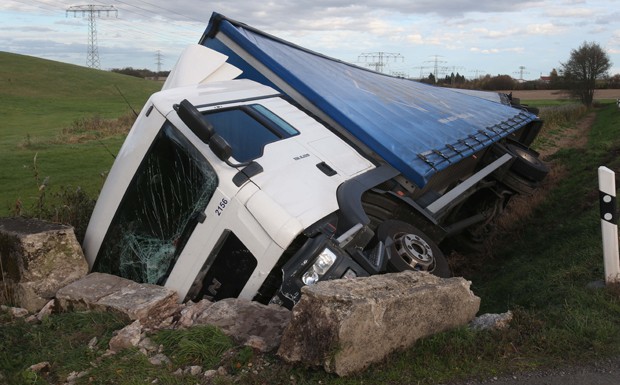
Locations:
{"points": [[261, 167]]}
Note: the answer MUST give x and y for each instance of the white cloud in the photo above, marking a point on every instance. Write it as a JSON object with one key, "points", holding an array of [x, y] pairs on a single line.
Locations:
{"points": [[570, 12], [487, 51]]}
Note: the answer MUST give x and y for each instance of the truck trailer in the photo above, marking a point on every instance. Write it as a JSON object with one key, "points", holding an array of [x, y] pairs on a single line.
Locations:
{"points": [[262, 167]]}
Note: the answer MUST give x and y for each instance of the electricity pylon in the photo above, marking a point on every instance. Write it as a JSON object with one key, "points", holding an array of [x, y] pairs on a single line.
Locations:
{"points": [[521, 72], [92, 12], [381, 59]]}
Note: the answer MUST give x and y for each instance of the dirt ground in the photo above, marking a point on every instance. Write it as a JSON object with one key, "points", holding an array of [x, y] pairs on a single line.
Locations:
{"points": [[558, 94]]}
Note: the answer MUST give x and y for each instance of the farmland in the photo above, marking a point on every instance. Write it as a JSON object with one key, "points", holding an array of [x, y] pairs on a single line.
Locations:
{"points": [[530, 95]]}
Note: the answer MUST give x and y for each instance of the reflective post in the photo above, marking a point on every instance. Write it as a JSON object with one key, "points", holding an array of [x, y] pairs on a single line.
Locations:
{"points": [[609, 223]]}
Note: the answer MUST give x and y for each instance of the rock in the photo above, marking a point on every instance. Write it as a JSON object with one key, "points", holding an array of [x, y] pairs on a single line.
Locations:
{"points": [[148, 345], [194, 370], [492, 321], [40, 367], [92, 344], [191, 311], [345, 325], [15, 312], [74, 376], [242, 319], [37, 259], [127, 337], [210, 374], [151, 304], [160, 359], [46, 311], [257, 343]]}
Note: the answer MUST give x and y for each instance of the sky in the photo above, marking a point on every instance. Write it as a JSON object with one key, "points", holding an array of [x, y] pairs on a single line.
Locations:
{"points": [[521, 38]]}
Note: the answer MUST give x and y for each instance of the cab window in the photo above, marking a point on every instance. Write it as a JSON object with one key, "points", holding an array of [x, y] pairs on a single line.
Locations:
{"points": [[248, 129]]}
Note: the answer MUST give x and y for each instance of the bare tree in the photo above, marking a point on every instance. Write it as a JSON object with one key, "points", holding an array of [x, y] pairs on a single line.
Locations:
{"points": [[586, 64]]}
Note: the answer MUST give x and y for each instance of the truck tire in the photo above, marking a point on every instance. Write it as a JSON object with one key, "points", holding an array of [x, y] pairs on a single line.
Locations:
{"points": [[527, 164], [411, 249], [519, 184]]}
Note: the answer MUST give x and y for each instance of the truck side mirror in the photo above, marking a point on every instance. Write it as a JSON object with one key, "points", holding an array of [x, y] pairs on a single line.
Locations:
{"points": [[220, 147], [194, 120]]}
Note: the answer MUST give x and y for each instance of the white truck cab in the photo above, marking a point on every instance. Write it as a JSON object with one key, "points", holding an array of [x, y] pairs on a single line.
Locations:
{"points": [[183, 207]]}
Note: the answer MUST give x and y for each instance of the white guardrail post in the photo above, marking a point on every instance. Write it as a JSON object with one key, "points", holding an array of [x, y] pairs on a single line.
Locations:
{"points": [[609, 223]]}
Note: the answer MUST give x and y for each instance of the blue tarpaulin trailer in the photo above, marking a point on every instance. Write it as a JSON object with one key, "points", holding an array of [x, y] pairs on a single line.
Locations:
{"points": [[417, 128]]}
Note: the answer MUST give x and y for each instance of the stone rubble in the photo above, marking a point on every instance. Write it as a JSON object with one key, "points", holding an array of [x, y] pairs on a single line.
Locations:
{"points": [[37, 259], [332, 326], [127, 337]]}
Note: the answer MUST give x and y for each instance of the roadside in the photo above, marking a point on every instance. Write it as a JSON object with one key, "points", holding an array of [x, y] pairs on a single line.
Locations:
{"points": [[600, 372], [603, 372]]}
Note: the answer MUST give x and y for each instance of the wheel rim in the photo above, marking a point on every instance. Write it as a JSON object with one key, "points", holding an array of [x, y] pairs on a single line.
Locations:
{"points": [[415, 251]]}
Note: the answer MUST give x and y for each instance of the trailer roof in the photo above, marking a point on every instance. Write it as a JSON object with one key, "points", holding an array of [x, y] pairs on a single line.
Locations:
{"points": [[417, 128]]}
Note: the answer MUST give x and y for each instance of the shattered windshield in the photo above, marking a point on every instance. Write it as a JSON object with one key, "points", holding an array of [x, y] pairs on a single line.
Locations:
{"points": [[160, 209]]}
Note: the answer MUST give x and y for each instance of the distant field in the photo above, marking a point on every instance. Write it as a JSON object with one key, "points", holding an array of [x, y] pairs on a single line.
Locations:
{"points": [[558, 94]]}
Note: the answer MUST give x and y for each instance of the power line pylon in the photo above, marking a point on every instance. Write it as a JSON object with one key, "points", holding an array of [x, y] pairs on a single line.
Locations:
{"points": [[477, 73], [521, 72], [381, 59], [158, 61], [92, 12], [436, 66]]}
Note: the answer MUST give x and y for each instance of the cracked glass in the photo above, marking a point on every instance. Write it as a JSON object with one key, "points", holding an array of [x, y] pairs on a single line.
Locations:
{"points": [[164, 202]]}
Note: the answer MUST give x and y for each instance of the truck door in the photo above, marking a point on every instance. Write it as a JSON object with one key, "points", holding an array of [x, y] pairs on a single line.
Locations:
{"points": [[229, 253]]}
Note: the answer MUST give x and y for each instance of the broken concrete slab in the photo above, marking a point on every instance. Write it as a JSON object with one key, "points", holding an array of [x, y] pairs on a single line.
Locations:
{"points": [[36, 259], [104, 292], [248, 323], [345, 325]]}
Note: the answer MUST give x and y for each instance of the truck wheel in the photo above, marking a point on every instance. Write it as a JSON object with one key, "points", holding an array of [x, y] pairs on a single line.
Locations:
{"points": [[527, 164], [519, 184], [411, 249]]}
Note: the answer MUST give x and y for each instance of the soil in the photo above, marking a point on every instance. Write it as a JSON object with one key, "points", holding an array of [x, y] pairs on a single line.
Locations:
{"points": [[576, 137]]}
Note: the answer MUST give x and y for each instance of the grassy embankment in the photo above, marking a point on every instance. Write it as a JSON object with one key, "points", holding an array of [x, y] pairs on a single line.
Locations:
{"points": [[45, 107], [539, 267]]}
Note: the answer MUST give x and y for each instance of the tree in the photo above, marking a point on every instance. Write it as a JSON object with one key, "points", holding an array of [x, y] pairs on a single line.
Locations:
{"points": [[499, 82], [555, 81], [586, 64]]}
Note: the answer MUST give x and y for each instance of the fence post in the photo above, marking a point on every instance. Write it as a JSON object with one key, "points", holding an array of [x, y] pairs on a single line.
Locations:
{"points": [[609, 223]]}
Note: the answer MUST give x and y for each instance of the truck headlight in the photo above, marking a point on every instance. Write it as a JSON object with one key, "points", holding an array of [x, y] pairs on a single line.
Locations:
{"points": [[323, 262]]}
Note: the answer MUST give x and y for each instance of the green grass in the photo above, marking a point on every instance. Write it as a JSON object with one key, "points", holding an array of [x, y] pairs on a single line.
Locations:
{"points": [[62, 340], [41, 98], [539, 268]]}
